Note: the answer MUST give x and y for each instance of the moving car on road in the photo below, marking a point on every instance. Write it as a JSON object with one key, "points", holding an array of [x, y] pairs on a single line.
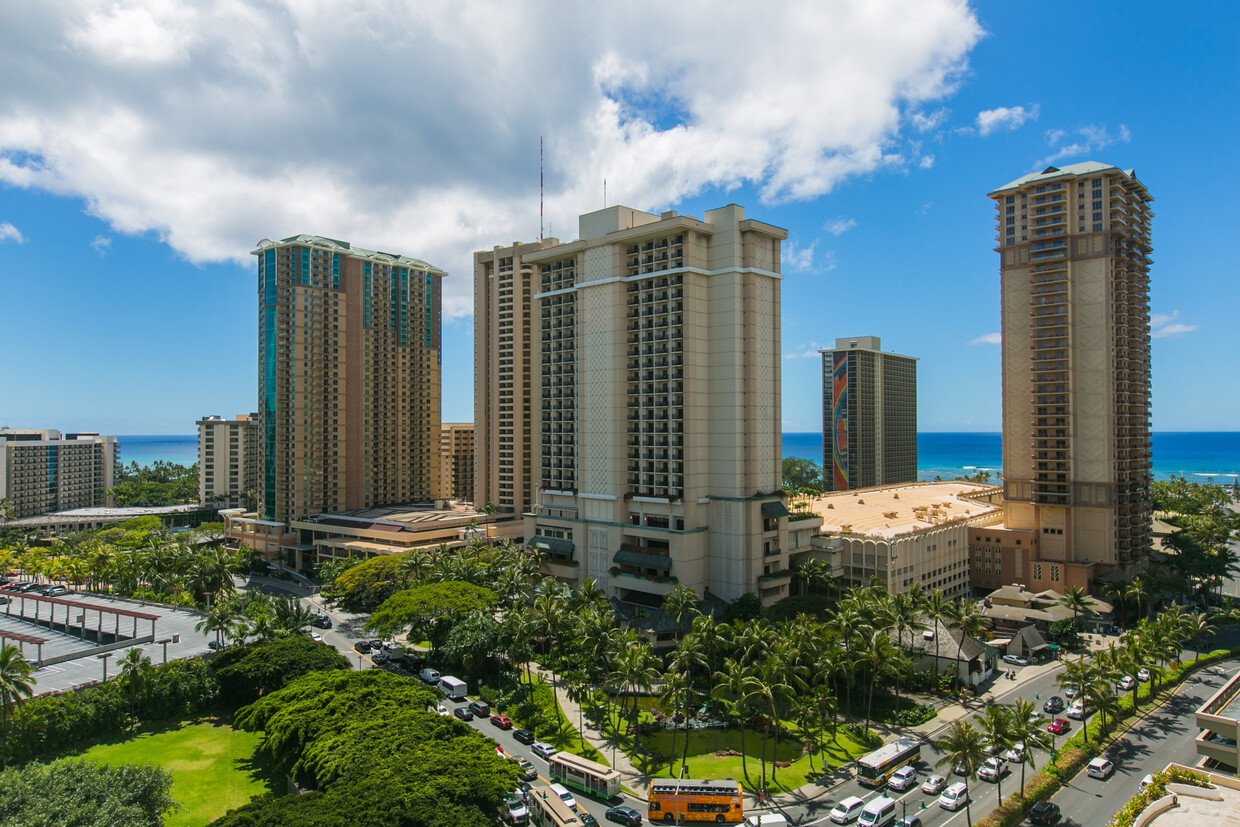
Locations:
{"points": [[954, 797], [846, 811], [463, 713], [543, 750], [1100, 768], [1045, 812], [1053, 704], [524, 736], [991, 770], [902, 779], [934, 785], [501, 721], [623, 815], [1058, 726]]}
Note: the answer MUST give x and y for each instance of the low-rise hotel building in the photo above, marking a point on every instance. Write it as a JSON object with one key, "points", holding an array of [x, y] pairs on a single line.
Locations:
{"points": [[905, 534]]}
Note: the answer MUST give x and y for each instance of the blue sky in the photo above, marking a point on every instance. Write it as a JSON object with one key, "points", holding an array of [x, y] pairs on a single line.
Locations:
{"points": [[144, 150]]}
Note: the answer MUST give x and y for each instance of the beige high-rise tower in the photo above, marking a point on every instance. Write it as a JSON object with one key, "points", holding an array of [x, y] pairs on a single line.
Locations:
{"points": [[654, 382], [1074, 244], [349, 377]]}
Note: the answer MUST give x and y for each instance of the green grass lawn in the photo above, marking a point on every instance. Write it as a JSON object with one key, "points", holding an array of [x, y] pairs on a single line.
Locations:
{"points": [[214, 767]]}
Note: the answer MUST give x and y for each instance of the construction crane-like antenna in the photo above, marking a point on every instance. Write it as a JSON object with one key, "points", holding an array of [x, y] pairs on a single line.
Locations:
{"points": [[540, 189]]}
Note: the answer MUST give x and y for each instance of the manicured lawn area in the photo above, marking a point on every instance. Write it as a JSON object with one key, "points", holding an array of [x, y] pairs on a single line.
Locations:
{"points": [[213, 766]]}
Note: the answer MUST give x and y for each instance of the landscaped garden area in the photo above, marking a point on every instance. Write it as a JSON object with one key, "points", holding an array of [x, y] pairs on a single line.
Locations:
{"points": [[214, 767]]}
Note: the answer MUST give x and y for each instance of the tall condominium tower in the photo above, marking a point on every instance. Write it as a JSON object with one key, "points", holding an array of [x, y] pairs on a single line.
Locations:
{"points": [[1074, 245], [456, 460], [229, 456], [349, 377], [869, 415], [656, 377], [42, 471], [504, 285]]}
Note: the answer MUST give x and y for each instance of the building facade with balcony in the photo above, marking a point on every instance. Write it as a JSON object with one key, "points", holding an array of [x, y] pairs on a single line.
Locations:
{"points": [[44, 471], [456, 460], [869, 415], [656, 403], [1074, 245], [229, 457], [349, 377]]}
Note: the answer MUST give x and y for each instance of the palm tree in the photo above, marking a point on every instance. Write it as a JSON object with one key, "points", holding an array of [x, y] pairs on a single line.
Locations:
{"points": [[679, 603], [1136, 591], [1078, 674], [962, 746], [968, 619], [1102, 699], [1078, 600], [766, 685], [1027, 734], [939, 612], [135, 669], [996, 723], [731, 683], [636, 669], [675, 694], [15, 686], [7, 511]]}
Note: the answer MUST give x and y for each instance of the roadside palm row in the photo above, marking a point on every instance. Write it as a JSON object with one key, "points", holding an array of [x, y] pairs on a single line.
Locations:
{"points": [[1016, 730]]}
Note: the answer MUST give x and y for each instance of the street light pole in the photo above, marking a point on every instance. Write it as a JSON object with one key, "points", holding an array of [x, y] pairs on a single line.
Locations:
{"points": [[104, 658], [165, 643]]}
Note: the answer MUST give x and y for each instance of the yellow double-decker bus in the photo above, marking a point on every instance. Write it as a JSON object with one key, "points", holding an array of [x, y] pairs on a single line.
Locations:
{"points": [[689, 799]]}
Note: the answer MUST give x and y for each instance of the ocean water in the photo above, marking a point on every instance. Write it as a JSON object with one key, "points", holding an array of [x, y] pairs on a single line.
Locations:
{"points": [[1197, 455]]}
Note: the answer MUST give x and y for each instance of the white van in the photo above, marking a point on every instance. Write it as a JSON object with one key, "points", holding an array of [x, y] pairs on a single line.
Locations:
{"points": [[768, 820], [452, 688], [954, 797], [429, 675], [881, 812], [565, 796]]}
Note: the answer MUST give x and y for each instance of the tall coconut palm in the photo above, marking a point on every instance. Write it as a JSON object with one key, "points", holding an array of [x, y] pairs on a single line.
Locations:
{"points": [[766, 687], [680, 603], [938, 612], [674, 693], [1101, 697], [1078, 674], [962, 746], [967, 618], [135, 671], [1137, 591], [731, 684], [1027, 734], [15, 686], [1078, 600], [996, 724]]}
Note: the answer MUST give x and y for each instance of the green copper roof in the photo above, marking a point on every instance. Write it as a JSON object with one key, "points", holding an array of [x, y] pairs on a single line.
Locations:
{"points": [[1084, 168], [346, 247]]}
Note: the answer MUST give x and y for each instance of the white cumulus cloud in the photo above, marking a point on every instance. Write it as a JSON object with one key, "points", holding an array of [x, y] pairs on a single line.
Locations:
{"points": [[1005, 117], [10, 233], [988, 339], [839, 226], [1168, 325], [805, 351], [101, 244], [414, 127], [924, 122], [1087, 139], [798, 259]]}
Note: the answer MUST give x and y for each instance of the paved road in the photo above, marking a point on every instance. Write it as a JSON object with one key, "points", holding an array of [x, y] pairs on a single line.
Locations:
{"points": [[1161, 737]]}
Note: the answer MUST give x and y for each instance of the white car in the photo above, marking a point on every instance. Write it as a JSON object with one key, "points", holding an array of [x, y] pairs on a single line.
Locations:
{"points": [[1127, 682], [1016, 754], [1146, 781], [954, 797], [442, 710], [517, 811], [1077, 710], [1143, 674], [934, 785], [316, 637], [1070, 692], [543, 749], [991, 770], [902, 778], [846, 811], [1100, 768], [1016, 660]]}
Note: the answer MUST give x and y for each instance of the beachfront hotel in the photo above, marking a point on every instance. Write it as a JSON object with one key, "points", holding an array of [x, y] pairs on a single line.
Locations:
{"points": [[1074, 246], [648, 360], [43, 471], [869, 415], [349, 378], [229, 457]]}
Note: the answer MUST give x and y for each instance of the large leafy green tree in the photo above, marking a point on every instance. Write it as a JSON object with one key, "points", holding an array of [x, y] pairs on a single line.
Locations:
{"points": [[245, 673], [802, 474], [85, 794], [431, 610]]}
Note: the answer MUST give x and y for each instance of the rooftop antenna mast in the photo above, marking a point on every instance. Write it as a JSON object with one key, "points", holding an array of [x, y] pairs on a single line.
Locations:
{"points": [[540, 189], [604, 193]]}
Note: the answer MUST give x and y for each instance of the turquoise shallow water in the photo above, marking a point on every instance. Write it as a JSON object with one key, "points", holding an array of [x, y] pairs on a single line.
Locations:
{"points": [[1196, 455]]}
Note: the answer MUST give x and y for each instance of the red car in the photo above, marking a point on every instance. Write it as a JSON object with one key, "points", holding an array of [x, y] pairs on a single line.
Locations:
{"points": [[1058, 726], [501, 721]]}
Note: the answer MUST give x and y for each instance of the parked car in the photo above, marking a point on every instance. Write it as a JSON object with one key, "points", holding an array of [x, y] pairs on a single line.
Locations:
{"points": [[1016, 660], [481, 709], [991, 770], [379, 656], [1045, 812], [1127, 682], [523, 735], [463, 713], [1143, 674], [1053, 704], [934, 785], [316, 637], [1100, 768], [1146, 781], [954, 797], [543, 749], [909, 821], [501, 721], [429, 675], [623, 815], [53, 591], [1016, 754], [214, 645], [1058, 726], [321, 621], [442, 710], [1077, 710], [903, 778], [362, 646], [847, 810]]}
